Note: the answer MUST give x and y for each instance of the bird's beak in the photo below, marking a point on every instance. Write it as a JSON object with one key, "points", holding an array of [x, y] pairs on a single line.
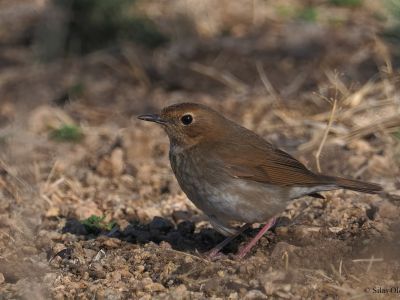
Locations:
{"points": [[152, 118]]}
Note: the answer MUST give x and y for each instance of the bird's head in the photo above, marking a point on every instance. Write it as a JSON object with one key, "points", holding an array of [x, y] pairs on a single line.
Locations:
{"points": [[188, 124]]}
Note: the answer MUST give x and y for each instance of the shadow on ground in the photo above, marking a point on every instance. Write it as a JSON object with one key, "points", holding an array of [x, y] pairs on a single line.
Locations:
{"points": [[181, 237]]}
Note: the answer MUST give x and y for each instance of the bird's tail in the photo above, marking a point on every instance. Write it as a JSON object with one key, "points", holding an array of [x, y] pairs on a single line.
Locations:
{"points": [[357, 185]]}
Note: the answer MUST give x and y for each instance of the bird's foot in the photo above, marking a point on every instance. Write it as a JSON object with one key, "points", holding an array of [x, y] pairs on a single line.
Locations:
{"points": [[242, 253], [214, 254]]}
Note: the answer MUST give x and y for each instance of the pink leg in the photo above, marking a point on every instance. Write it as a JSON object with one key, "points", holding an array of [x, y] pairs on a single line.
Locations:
{"points": [[214, 251], [254, 241]]}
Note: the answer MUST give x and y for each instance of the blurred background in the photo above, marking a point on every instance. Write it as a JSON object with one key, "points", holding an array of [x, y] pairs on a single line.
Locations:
{"points": [[76, 164], [110, 53]]}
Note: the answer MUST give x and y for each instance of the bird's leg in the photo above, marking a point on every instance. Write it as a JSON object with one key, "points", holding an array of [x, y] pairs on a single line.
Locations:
{"points": [[251, 244], [214, 251]]}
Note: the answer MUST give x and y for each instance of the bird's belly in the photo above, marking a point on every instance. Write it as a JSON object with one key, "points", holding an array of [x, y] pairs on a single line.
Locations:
{"points": [[236, 200], [247, 201], [224, 198]]}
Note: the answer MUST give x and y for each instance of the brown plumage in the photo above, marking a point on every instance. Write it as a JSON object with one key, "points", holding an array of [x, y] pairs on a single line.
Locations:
{"points": [[232, 174]]}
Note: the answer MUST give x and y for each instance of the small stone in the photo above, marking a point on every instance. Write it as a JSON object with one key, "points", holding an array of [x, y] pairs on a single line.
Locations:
{"points": [[165, 245], [154, 287], [89, 253], [188, 260], [111, 294], [97, 271], [233, 296], [335, 229], [85, 276], [58, 247], [254, 295], [112, 243], [179, 293], [282, 230], [2, 279], [53, 211], [114, 276], [126, 274], [54, 235], [302, 231], [99, 294], [286, 287], [140, 268], [101, 254]]}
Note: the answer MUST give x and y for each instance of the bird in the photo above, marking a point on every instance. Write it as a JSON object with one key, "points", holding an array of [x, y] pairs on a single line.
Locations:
{"points": [[234, 175]]}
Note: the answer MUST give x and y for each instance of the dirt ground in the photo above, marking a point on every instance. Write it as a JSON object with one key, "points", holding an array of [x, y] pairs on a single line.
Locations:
{"points": [[278, 78]]}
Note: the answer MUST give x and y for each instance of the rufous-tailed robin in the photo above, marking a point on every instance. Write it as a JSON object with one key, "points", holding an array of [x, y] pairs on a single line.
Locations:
{"points": [[232, 174]]}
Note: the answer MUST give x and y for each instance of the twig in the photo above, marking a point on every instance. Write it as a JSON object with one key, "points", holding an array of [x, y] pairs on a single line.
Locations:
{"points": [[339, 85], [285, 256], [6, 168], [342, 289], [7, 235], [327, 129], [355, 277], [188, 254], [338, 275], [135, 66], [368, 259], [222, 77], [388, 124], [267, 84], [370, 263], [50, 176]]}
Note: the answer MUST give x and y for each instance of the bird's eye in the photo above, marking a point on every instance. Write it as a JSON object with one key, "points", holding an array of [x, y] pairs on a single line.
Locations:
{"points": [[187, 119]]}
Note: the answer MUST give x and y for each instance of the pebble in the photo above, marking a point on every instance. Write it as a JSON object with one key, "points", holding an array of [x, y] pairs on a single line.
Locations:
{"points": [[282, 230], [179, 293], [89, 253], [302, 231], [154, 287], [254, 295], [114, 276], [112, 243], [97, 271], [233, 296]]}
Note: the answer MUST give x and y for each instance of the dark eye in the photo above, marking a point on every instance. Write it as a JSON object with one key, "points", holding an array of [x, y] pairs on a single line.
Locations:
{"points": [[187, 119]]}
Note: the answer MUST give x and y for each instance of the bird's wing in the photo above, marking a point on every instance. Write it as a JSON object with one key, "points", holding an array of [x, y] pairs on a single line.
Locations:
{"points": [[263, 163]]}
